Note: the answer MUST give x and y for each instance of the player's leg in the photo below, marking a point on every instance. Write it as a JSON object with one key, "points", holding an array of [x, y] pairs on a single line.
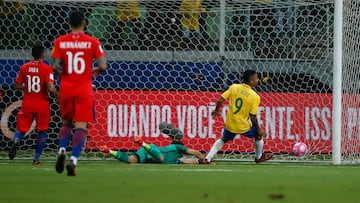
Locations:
{"points": [[42, 120], [197, 34], [67, 112], [65, 134], [23, 124], [78, 141], [152, 149], [227, 135], [67, 107], [83, 113], [259, 145], [186, 33], [24, 121], [119, 155], [39, 148], [64, 137], [143, 156], [259, 142]]}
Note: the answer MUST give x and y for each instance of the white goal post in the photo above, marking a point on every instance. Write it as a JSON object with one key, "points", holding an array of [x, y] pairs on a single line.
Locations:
{"points": [[337, 83]]}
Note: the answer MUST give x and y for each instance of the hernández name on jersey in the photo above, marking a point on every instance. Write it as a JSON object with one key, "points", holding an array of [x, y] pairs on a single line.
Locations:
{"points": [[75, 45]]}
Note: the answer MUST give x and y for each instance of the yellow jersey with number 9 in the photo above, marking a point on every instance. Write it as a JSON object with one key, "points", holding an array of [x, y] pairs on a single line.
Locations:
{"points": [[243, 102]]}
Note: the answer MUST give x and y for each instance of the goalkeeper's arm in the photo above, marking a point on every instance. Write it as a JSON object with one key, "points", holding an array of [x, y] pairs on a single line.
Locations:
{"points": [[195, 153]]}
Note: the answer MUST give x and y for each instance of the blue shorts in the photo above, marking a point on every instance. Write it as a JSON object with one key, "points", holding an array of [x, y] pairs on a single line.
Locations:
{"points": [[191, 33], [227, 135]]}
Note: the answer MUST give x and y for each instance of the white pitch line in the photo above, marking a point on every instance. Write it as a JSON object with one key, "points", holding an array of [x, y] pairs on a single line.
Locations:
{"points": [[150, 169]]}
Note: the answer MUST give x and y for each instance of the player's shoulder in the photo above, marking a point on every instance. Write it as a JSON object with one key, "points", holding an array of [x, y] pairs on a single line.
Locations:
{"points": [[249, 90], [62, 37], [45, 66], [89, 37], [24, 66], [27, 64], [255, 94], [96, 41], [235, 87]]}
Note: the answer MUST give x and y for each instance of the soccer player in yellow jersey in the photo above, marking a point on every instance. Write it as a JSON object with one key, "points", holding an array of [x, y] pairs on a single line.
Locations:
{"points": [[191, 10], [127, 15], [241, 116]]}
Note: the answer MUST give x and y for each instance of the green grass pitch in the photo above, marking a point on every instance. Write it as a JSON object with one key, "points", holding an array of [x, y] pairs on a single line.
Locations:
{"points": [[111, 181]]}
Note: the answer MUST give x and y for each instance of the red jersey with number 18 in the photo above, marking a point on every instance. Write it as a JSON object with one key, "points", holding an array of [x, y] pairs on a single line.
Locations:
{"points": [[76, 51], [34, 75]]}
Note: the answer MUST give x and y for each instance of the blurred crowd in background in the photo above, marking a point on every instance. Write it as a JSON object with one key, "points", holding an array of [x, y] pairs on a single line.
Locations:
{"points": [[165, 25]]}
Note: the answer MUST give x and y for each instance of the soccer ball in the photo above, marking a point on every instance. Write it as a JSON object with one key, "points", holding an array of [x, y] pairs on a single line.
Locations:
{"points": [[300, 149]]}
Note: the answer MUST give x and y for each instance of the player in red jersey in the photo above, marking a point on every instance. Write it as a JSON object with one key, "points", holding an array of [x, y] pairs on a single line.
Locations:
{"points": [[36, 79], [76, 51]]}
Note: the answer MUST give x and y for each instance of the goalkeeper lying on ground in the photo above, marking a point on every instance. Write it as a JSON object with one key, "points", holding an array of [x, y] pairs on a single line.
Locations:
{"points": [[150, 153]]}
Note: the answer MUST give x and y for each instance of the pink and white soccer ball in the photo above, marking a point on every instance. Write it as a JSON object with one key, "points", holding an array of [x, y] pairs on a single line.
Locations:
{"points": [[300, 149]]}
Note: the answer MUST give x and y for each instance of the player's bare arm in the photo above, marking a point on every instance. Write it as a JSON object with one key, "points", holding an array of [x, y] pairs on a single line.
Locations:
{"points": [[219, 103], [52, 89], [55, 65], [19, 86], [195, 153], [102, 66]]}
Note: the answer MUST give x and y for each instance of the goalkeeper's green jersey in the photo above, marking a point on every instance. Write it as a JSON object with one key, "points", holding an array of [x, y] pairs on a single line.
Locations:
{"points": [[172, 153]]}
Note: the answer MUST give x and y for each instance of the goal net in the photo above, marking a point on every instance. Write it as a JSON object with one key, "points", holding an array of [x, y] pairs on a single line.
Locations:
{"points": [[350, 146], [171, 60]]}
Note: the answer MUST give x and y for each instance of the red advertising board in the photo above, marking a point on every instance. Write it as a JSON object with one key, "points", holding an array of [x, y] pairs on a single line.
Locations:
{"points": [[287, 118]]}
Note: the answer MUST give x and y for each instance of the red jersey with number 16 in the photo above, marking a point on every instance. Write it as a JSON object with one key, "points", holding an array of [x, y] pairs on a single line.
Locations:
{"points": [[76, 51], [34, 75]]}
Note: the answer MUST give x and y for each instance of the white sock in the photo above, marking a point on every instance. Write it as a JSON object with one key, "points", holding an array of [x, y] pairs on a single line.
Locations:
{"points": [[62, 149], [112, 152], [74, 160], [259, 145], [214, 149]]}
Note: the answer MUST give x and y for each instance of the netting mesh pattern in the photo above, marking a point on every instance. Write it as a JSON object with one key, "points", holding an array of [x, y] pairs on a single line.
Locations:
{"points": [[171, 60], [351, 43]]}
